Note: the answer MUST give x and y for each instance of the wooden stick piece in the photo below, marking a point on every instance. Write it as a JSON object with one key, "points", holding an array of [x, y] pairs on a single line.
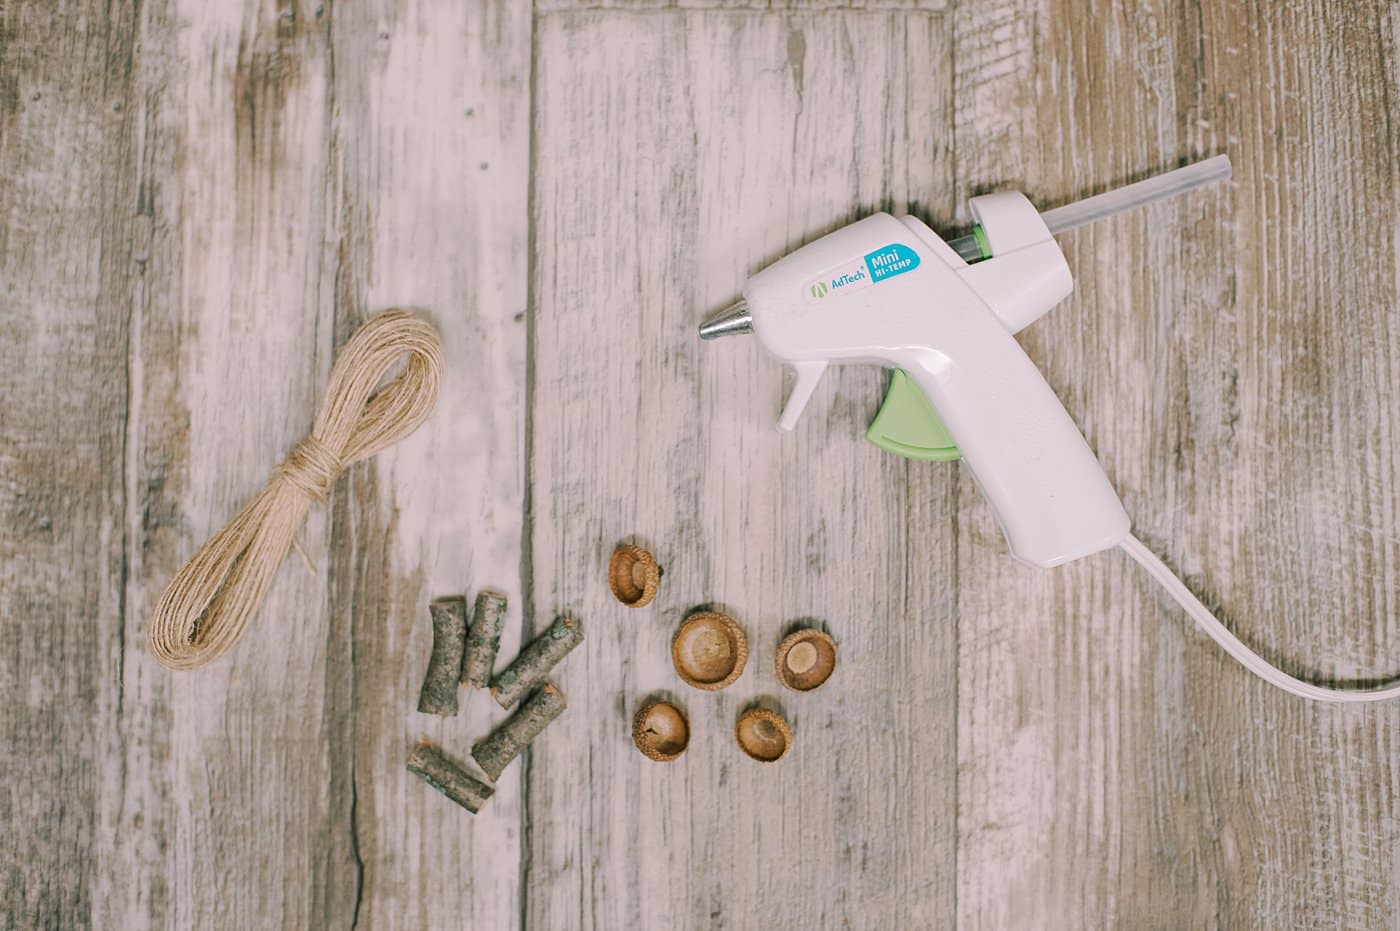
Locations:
{"points": [[432, 766], [483, 639], [439, 692], [535, 661], [506, 742]]}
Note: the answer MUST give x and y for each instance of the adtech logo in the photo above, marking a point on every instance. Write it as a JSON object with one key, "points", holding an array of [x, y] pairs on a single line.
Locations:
{"points": [[885, 262], [847, 277]]}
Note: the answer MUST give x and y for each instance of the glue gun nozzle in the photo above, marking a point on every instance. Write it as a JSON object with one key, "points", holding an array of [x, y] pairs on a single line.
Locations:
{"points": [[732, 321]]}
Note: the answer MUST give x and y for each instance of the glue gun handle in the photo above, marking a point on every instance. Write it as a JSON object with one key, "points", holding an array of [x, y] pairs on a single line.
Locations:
{"points": [[1050, 495]]}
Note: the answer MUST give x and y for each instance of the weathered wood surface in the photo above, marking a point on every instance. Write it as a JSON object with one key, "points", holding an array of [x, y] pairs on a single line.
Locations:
{"points": [[66, 242], [724, 6], [433, 127], [199, 203], [670, 162], [1233, 362]]}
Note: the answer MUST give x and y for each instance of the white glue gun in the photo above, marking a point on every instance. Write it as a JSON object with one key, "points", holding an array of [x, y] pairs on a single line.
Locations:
{"points": [[890, 292]]}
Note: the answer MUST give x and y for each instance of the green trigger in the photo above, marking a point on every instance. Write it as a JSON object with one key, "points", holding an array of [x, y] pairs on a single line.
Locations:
{"points": [[908, 426]]}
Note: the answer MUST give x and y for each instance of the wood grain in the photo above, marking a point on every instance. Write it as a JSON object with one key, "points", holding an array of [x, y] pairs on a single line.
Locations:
{"points": [[226, 259], [1116, 768], [723, 6], [670, 162], [431, 188], [67, 142], [226, 779], [201, 201]]}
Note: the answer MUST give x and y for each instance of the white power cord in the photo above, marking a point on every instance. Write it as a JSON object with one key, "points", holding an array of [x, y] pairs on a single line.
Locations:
{"points": [[1232, 644]]}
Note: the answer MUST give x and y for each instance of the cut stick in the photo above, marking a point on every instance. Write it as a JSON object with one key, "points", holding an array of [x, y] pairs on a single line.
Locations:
{"points": [[432, 766], [483, 639], [439, 692], [535, 661], [494, 753]]}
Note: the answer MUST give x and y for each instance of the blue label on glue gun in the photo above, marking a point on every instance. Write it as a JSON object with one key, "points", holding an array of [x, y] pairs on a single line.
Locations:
{"points": [[883, 263], [894, 259]]}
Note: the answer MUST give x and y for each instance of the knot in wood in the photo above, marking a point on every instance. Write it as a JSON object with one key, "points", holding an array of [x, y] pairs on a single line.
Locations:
{"points": [[312, 468]]}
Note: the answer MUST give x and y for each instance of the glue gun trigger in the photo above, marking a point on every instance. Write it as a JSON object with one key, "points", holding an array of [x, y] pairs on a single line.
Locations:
{"points": [[808, 374]]}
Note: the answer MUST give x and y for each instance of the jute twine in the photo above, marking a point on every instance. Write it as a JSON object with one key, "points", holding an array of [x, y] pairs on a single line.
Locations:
{"points": [[206, 607]]}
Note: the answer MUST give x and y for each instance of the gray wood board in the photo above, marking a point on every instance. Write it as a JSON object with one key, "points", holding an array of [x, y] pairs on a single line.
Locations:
{"points": [[1232, 362], [202, 201], [241, 158], [723, 6], [66, 243], [431, 136], [669, 163]]}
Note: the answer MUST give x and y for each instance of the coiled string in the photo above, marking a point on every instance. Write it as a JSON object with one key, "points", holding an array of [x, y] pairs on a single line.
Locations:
{"points": [[205, 608]]}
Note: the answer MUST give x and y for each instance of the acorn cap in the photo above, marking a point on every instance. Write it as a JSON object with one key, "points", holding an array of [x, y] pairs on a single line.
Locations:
{"points": [[763, 735], [806, 659], [709, 650], [633, 575], [660, 731]]}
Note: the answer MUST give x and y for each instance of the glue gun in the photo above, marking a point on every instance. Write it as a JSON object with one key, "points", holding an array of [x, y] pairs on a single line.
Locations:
{"points": [[890, 292]]}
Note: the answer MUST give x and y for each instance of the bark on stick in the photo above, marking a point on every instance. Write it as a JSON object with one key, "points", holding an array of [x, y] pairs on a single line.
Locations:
{"points": [[535, 661], [483, 639], [506, 742], [432, 766], [439, 692]]}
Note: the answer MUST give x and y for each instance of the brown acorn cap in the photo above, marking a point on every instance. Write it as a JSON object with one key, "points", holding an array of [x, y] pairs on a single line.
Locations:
{"points": [[806, 659], [710, 650], [661, 731], [633, 575], [763, 735]]}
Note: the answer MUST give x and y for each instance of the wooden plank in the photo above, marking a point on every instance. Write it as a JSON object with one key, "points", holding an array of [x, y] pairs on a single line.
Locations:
{"points": [[432, 176], [809, 6], [1116, 768], [66, 136], [670, 163], [204, 792], [335, 750], [224, 783], [1312, 554], [201, 202]]}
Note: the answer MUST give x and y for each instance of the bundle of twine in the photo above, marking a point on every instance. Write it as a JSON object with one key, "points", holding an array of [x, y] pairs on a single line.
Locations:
{"points": [[206, 607]]}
